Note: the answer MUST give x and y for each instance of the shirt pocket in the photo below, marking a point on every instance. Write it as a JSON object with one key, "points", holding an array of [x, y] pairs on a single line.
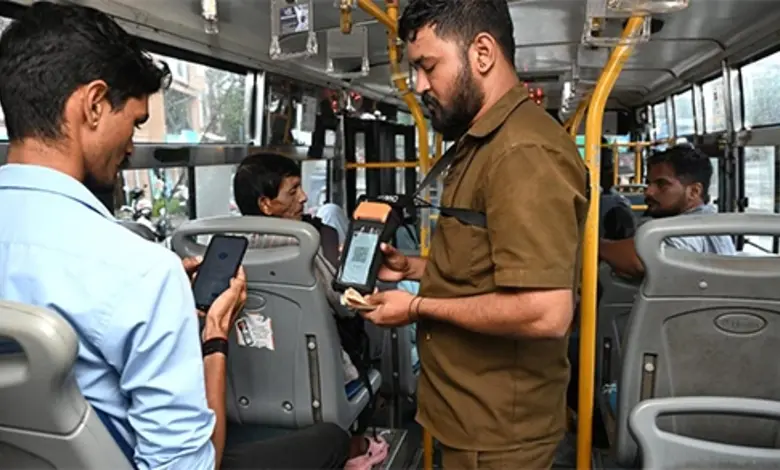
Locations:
{"points": [[463, 254]]}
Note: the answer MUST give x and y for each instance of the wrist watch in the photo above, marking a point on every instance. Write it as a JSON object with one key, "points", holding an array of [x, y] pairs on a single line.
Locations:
{"points": [[214, 345]]}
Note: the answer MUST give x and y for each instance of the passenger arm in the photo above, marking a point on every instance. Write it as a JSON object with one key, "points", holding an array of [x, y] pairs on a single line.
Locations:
{"points": [[535, 228], [153, 343], [621, 256]]}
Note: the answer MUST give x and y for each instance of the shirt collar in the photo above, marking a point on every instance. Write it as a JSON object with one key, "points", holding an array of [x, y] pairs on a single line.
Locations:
{"points": [[43, 179], [499, 112]]}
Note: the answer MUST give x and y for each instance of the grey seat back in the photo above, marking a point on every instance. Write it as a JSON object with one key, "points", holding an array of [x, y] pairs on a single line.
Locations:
{"points": [[703, 325], [617, 299], [666, 450], [289, 374], [45, 422]]}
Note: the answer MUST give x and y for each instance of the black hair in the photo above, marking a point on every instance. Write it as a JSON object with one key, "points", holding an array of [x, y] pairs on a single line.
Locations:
{"points": [[261, 175], [690, 166], [461, 19], [51, 50]]}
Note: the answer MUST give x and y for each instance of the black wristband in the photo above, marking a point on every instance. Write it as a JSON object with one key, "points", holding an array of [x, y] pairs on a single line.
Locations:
{"points": [[215, 345]]}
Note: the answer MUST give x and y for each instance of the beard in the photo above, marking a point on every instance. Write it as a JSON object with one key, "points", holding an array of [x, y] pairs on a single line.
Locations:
{"points": [[655, 210], [466, 102]]}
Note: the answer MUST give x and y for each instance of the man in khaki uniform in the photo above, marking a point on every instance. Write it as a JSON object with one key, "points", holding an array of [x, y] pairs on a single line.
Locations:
{"points": [[495, 303]]}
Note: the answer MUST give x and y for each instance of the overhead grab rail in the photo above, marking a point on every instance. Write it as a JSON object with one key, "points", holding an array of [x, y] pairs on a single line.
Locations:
{"points": [[593, 131]]}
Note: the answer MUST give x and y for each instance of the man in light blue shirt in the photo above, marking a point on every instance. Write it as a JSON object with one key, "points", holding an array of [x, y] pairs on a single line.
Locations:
{"points": [[74, 86], [678, 185]]}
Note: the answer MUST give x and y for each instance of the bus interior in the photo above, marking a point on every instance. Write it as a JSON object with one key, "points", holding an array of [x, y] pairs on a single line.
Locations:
{"points": [[671, 372]]}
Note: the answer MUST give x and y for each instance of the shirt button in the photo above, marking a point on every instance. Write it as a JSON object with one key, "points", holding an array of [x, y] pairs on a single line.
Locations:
{"points": [[427, 336]]}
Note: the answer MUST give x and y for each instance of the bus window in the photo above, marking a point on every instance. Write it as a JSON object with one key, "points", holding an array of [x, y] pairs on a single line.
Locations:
{"points": [[214, 191], [759, 81], [661, 128], [714, 111], [760, 190], [683, 113], [202, 105]]}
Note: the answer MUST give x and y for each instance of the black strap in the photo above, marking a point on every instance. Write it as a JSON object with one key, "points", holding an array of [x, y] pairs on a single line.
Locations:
{"points": [[438, 168], [124, 446], [464, 216], [214, 345]]}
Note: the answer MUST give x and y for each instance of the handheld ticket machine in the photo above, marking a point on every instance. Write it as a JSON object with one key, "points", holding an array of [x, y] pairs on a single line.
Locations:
{"points": [[373, 223]]}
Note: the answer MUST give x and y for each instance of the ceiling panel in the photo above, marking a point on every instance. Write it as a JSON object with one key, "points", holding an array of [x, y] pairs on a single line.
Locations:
{"points": [[547, 34]]}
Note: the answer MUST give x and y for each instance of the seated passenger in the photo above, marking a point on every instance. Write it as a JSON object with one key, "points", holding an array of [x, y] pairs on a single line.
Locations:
{"points": [[678, 184], [269, 184], [74, 87]]}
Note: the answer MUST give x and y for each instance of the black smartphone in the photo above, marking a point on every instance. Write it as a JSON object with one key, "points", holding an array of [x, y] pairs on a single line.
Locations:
{"points": [[220, 264]]}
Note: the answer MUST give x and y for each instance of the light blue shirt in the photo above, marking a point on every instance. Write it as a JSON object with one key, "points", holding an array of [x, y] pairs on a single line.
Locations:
{"points": [[716, 244], [128, 299], [333, 216]]}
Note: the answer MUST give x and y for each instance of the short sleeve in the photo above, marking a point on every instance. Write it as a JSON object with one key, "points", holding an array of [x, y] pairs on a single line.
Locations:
{"points": [[536, 207]]}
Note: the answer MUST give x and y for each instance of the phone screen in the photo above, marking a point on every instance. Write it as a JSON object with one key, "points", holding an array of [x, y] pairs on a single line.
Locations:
{"points": [[357, 265], [223, 258]]}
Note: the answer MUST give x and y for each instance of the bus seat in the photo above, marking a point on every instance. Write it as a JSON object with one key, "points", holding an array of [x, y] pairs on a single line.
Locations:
{"points": [[702, 325], [400, 354], [292, 376], [663, 449], [139, 229], [617, 298], [45, 422], [400, 346]]}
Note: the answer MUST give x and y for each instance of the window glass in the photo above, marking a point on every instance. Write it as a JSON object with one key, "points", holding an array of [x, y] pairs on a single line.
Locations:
{"points": [[314, 180], [760, 191], [761, 93], [214, 191], [714, 110], [661, 127], [202, 105], [159, 195], [736, 100], [4, 22], [293, 109], [683, 113]]}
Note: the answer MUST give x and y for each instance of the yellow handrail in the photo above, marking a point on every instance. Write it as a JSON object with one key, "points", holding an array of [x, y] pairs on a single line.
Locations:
{"points": [[632, 144], [573, 124], [638, 165], [593, 129], [373, 9], [381, 165]]}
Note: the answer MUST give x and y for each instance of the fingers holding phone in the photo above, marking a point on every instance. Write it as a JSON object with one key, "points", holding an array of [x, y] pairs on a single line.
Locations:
{"points": [[223, 311], [220, 287]]}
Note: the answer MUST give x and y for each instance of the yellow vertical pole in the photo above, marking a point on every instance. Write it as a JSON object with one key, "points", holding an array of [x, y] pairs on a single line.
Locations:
{"points": [[593, 130]]}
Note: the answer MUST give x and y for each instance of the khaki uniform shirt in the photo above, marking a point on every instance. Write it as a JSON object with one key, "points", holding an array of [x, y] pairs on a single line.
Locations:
{"points": [[519, 167]]}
